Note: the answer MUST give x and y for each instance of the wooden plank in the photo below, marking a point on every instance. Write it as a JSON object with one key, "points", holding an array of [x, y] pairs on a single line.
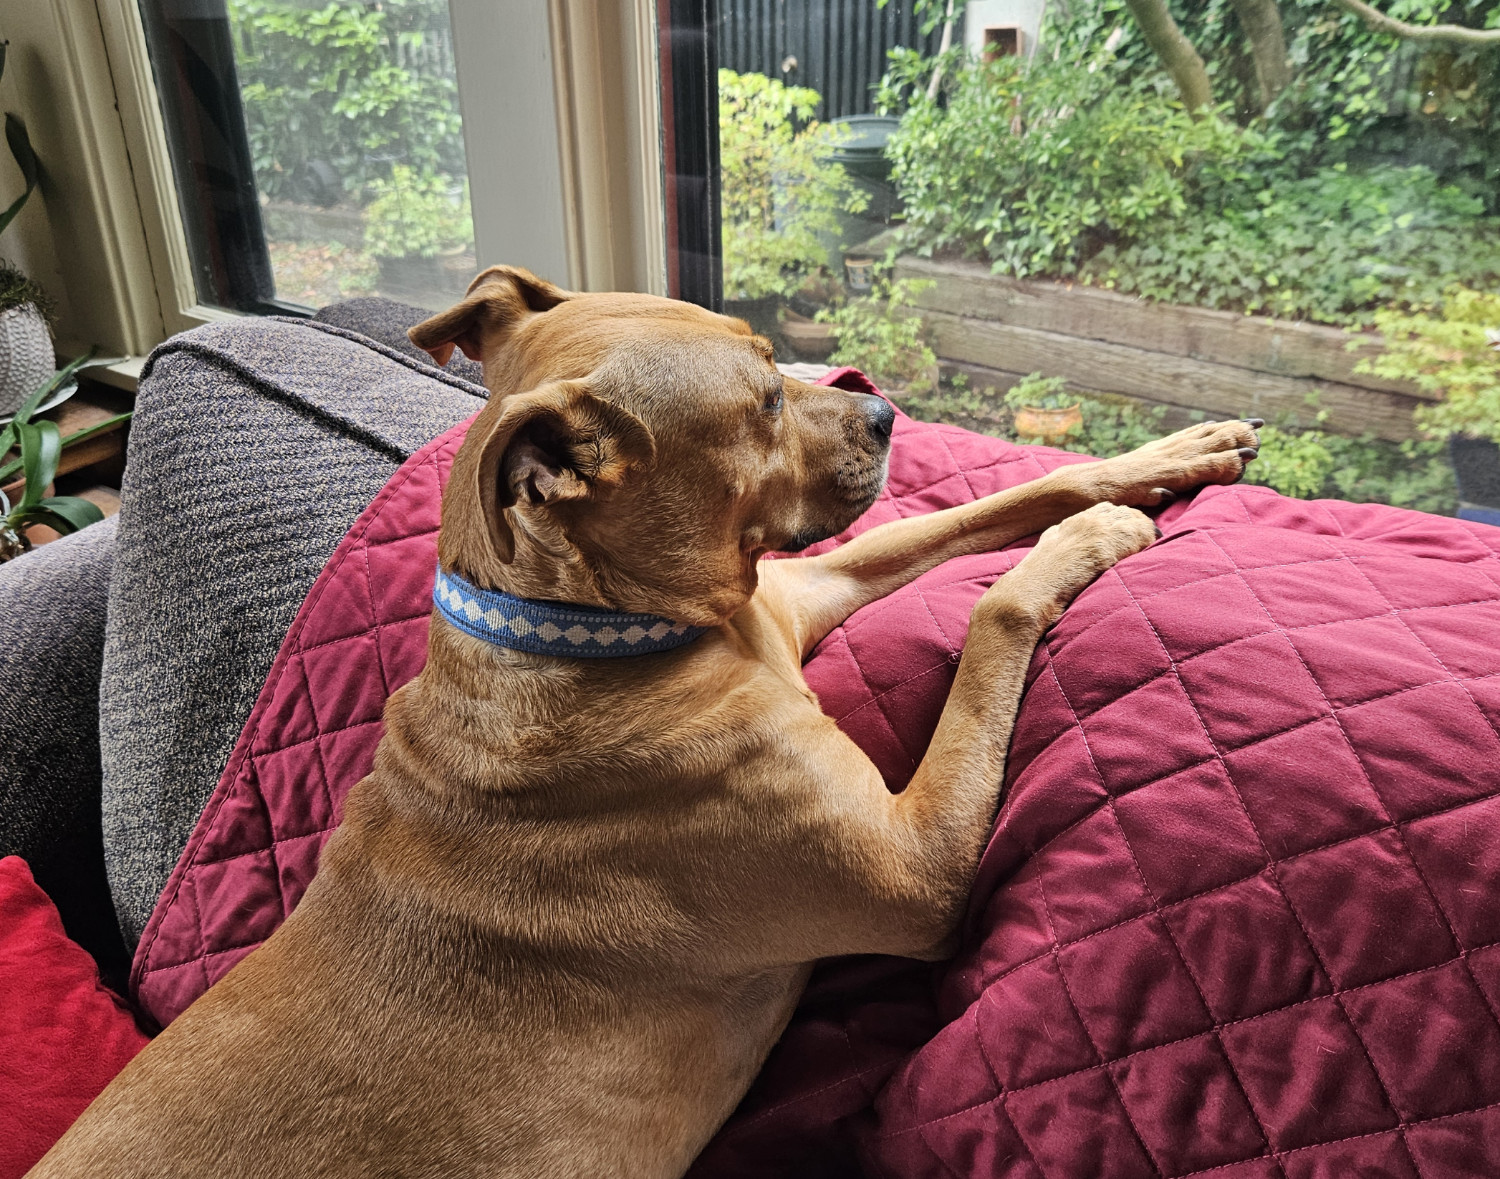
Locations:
{"points": [[1280, 347], [1221, 389]]}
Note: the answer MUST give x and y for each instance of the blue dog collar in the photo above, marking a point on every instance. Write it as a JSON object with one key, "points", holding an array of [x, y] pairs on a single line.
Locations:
{"points": [[553, 628]]}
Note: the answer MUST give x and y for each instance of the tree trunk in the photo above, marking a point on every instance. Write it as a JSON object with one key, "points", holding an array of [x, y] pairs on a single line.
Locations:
{"points": [[1175, 51], [1261, 22], [1455, 35]]}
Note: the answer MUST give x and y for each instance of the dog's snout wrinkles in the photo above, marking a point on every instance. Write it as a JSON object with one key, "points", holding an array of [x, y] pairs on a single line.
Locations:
{"points": [[881, 415]]}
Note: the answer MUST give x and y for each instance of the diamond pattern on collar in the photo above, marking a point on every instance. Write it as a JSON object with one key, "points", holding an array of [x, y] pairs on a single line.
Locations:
{"points": [[553, 628]]}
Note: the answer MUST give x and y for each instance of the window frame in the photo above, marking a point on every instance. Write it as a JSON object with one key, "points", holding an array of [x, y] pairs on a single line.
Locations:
{"points": [[113, 223]]}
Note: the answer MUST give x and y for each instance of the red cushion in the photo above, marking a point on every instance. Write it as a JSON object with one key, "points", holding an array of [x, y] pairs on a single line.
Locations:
{"points": [[1237, 915], [65, 1035]]}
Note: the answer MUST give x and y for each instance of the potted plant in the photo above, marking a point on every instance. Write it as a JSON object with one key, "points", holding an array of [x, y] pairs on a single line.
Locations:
{"points": [[1455, 352], [39, 446], [782, 194], [1045, 412], [418, 228]]}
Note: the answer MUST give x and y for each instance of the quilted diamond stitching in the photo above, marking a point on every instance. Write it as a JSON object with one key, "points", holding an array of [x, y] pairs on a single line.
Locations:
{"points": [[1345, 550]]}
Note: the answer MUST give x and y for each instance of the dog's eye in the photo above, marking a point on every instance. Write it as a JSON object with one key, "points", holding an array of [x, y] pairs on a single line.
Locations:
{"points": [[773, 400]]}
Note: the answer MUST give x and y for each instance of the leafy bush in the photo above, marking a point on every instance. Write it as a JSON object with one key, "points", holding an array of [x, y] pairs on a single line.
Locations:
{"points": [[416, 215], [1455, 352], [1357, 96], [1083, 165], [780, 191], [334, 95], [1331, 247], [1038, 164], [879, 334]]}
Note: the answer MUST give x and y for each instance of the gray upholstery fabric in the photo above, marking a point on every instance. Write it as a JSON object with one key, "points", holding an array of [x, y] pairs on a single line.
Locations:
{"points": [[256, 444], [52, 604], [386, 321]]}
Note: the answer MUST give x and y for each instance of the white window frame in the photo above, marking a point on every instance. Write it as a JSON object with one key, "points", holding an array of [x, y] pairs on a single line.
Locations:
{"points": [[568, 183]]}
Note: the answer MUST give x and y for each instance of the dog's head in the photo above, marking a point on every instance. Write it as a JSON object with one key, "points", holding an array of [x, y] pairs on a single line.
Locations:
{"points": [[638, 452]]}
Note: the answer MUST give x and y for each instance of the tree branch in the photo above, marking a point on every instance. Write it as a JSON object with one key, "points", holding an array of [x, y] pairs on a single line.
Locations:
{"points": [[1175, 51], [1436, 34]]}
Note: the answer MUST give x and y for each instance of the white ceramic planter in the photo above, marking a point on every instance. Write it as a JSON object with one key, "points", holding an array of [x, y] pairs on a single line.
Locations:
{"points": [[25, 355]]}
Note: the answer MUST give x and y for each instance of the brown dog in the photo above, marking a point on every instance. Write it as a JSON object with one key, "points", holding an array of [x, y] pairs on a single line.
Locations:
{"points": [[572, 907]]}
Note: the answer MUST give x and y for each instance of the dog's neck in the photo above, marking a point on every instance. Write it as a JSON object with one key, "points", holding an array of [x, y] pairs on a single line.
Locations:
{"points": [[566, 629]]}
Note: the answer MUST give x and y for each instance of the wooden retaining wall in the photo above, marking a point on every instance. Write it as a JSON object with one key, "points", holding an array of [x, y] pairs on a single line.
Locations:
{"points": [[1227, 364]]}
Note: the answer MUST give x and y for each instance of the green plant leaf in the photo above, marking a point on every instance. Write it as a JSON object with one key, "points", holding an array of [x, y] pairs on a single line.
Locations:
{"points": [[50, 386], [10, 468], [66, 513], [20, 148], [41, 448]]}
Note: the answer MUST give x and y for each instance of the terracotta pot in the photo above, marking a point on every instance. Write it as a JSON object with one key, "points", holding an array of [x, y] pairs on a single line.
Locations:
{"points": [[25, 355], [810, 340], [1048, 426]]}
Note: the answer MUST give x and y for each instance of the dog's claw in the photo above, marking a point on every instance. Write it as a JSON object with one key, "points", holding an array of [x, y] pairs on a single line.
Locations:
{"points": [[1248, 452], [1253, 423], [1164, 496]]}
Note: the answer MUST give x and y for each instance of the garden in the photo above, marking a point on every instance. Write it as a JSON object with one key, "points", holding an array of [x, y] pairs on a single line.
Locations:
{"points": [[1321, 171], [357, 144]]}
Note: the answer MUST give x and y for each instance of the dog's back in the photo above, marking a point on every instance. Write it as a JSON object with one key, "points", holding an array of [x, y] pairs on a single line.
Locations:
{"points": [[553, 992]]}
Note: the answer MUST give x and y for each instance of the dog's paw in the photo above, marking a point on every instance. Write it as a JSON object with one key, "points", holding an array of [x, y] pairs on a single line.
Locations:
{"points": [[1154, 475], [1067, 558]]}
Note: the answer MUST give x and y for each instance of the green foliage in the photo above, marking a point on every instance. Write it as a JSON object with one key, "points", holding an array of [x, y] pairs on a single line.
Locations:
{"points": [[1038, 164], [40, 445], [1039, 392], [1455, 352], [1357, 96], [1330, 247], [1114, 425], [1295, 463], [417, 215], [879, 334], [780, 191], [336, 94], [1074, 169]]}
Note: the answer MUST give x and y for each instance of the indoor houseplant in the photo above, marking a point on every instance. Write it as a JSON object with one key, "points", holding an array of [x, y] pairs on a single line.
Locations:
{"points": [[39, 446]]}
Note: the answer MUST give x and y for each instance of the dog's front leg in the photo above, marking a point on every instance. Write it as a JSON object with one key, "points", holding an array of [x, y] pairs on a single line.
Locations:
{"points": [[942, 818], [812, 595]]}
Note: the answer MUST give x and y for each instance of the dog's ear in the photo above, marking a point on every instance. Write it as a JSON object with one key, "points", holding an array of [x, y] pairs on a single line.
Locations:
{"points": [[554, 444], [499, 299]]}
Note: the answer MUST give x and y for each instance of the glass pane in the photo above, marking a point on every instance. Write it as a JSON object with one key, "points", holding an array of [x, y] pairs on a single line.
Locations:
{"points": [[334, 130], [357, 144], [1060, 230]]}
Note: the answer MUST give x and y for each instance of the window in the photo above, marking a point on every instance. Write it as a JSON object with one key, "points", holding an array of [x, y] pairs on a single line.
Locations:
{"points": [[318, 149], [1271, 208]]}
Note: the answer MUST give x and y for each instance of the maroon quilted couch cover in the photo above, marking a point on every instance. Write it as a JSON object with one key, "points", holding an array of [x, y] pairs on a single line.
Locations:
{"points": [[1240, 914]]}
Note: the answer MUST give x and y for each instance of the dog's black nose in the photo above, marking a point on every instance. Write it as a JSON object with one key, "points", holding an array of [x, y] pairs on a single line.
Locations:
{"points": [[881, 415]]}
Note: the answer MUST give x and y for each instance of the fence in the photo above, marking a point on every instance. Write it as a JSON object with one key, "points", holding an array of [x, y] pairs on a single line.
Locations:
{"points": [[838, 47]]}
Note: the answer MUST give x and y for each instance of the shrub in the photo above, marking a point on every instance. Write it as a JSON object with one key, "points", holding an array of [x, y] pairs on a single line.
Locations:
{"points": [[1455, 352], [333, 95], [879, 334], [1038, 164], [780, 191], [1331, 247], [1075, 167], [416, 215]]}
